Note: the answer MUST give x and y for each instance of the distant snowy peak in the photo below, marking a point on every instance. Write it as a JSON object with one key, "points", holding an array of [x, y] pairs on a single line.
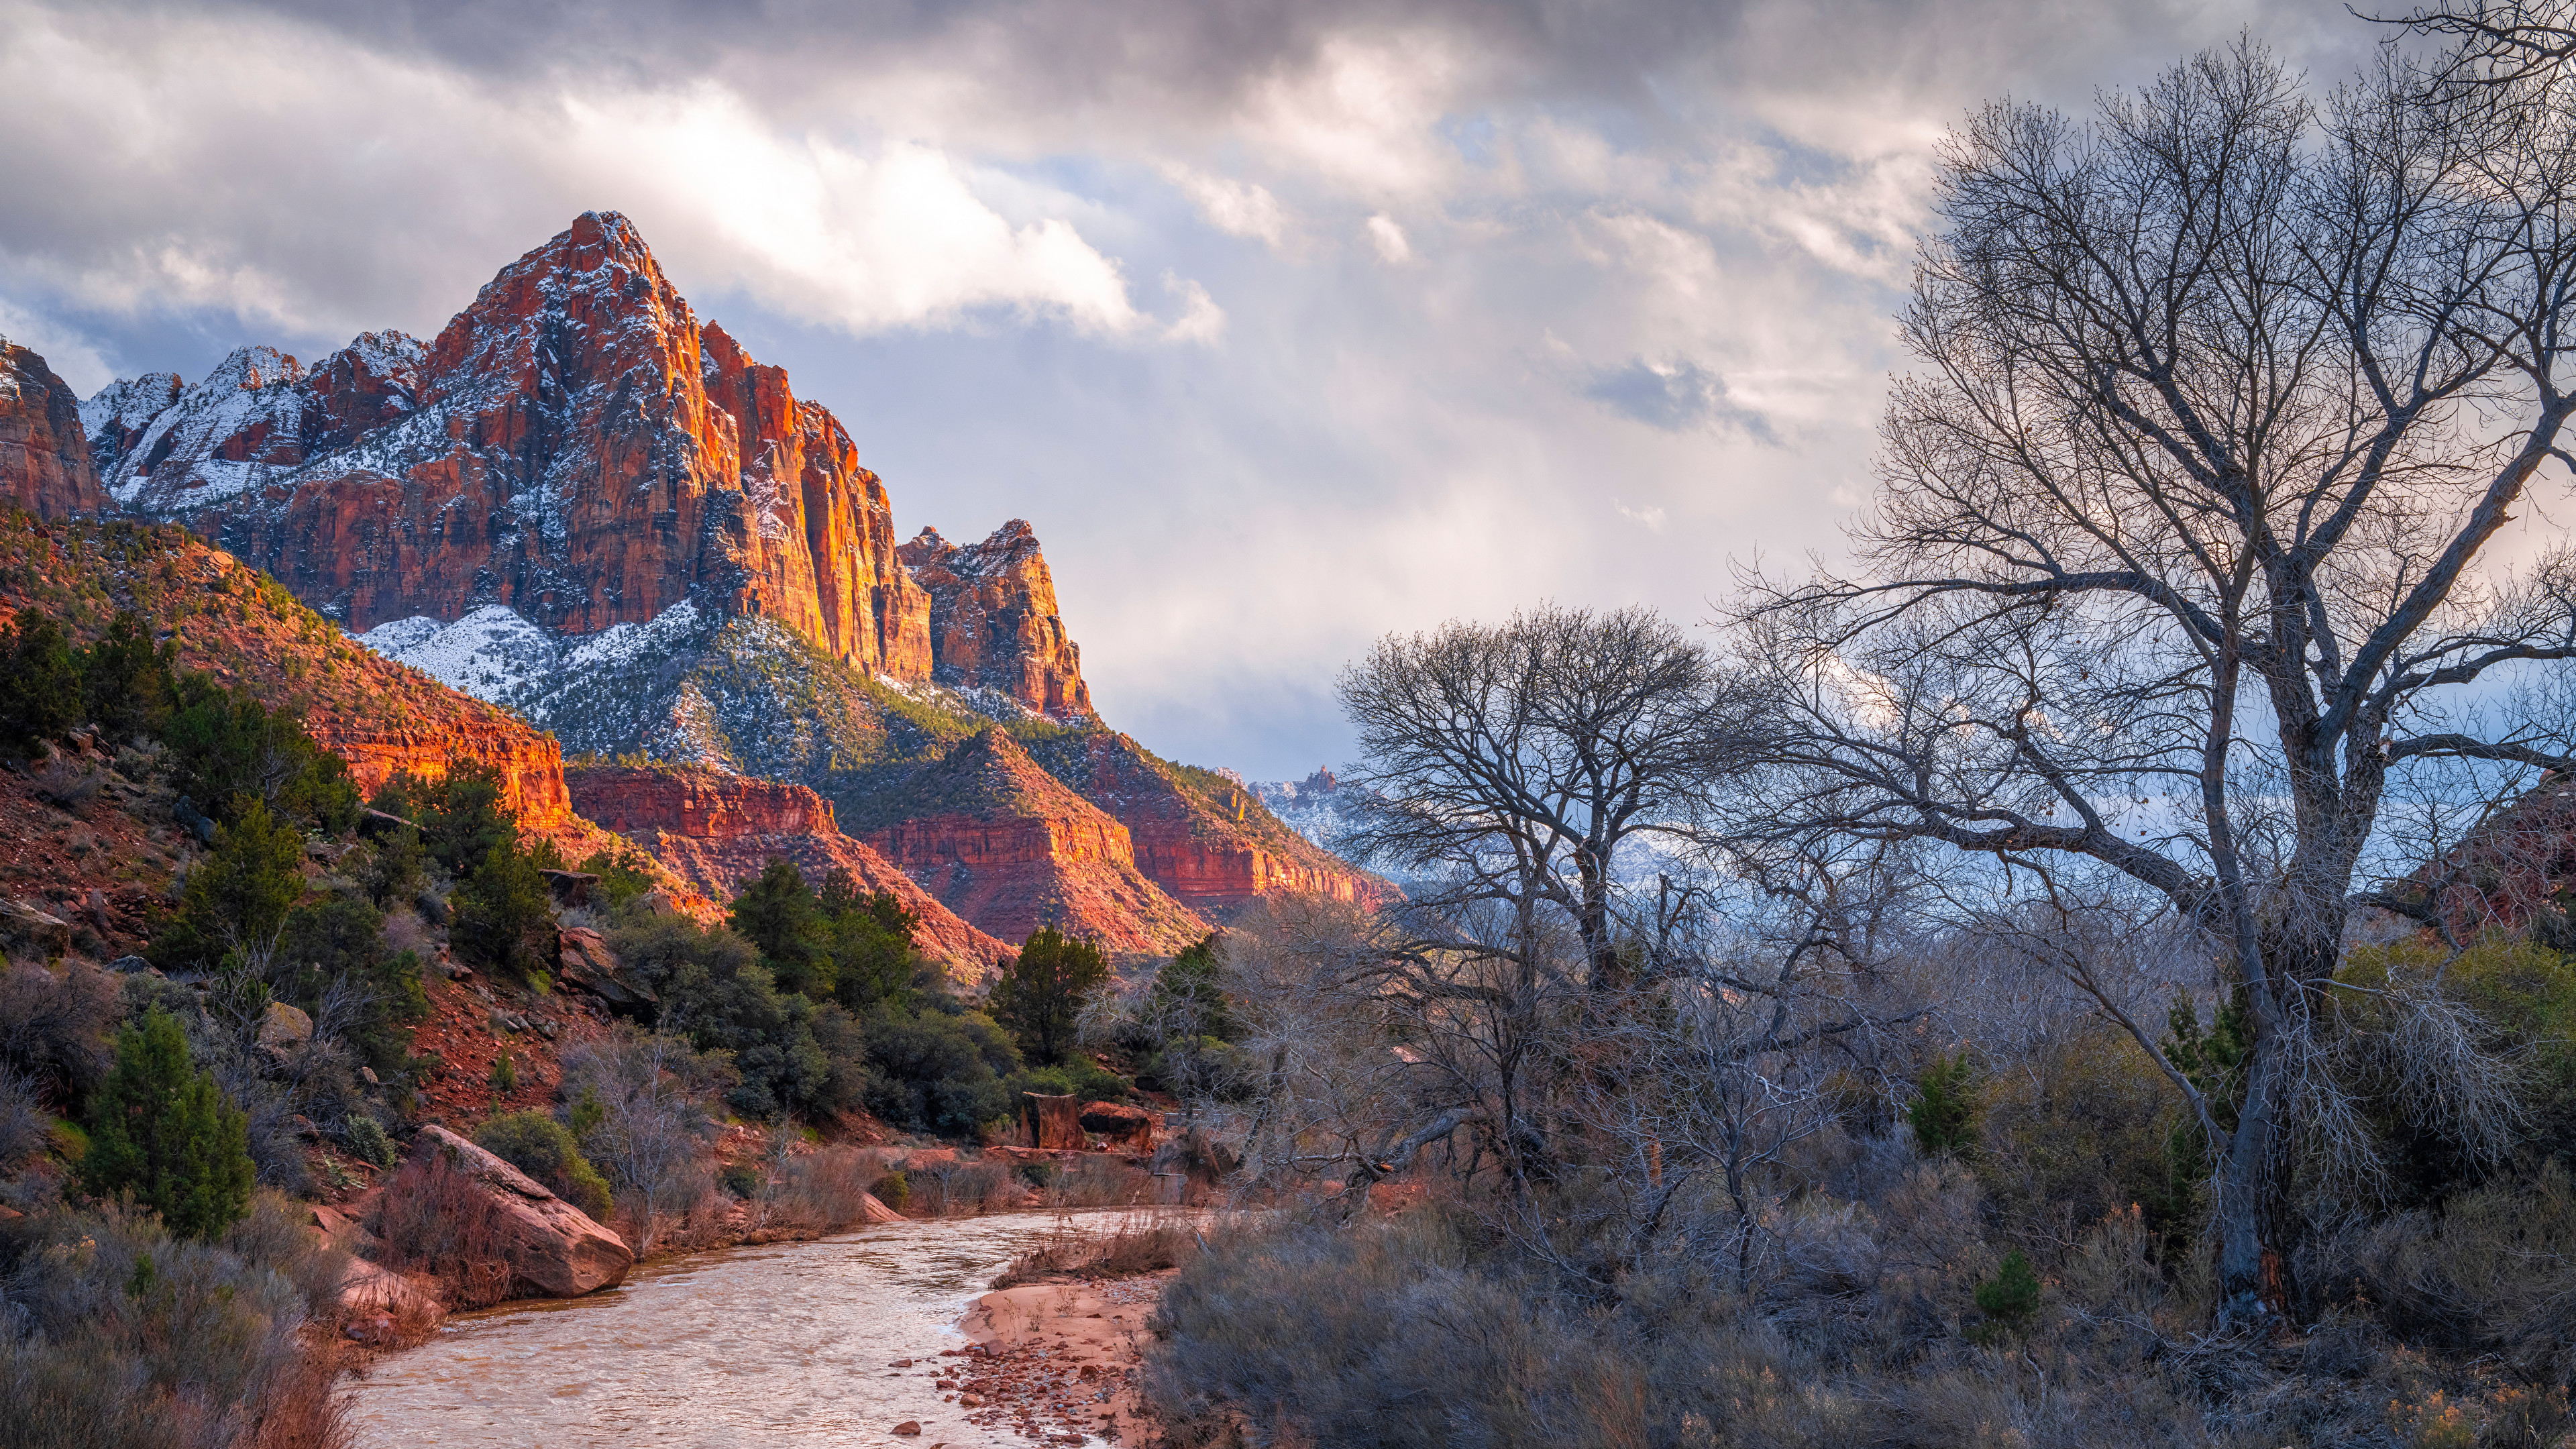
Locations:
{"points": [[1318, 807]]}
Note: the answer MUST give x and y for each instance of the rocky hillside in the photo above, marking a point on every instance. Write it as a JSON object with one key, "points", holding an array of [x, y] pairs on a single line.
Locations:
{"points": [[586, 506], [1006, 845], [716, 830]]}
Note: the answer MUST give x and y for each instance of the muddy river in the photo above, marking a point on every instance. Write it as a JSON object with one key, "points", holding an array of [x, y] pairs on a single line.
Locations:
{"points": [[784, 1345]]}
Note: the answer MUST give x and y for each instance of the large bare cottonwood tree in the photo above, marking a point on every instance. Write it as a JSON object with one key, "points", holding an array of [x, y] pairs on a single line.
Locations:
{"points": [[2184, 547]]}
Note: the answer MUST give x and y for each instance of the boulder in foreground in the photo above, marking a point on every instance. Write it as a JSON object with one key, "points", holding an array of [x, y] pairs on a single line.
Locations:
{"points": [[549, 1247]]}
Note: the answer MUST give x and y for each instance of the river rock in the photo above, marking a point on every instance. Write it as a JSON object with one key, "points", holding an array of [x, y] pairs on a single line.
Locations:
{"points": [[552, 1247], [368, 1289]]}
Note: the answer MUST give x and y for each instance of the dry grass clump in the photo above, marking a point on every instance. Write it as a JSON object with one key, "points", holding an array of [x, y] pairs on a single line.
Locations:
{"points": [[434, 1218], [822, 1191], [1138, 1244], [962, 1190], [1098, 1181]]}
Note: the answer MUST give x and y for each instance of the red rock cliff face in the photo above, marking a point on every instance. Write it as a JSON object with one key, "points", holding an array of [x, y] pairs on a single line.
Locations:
{"points": [[716, 830], [44, 456], [1199, 836], [1007, 846], [574, 445], [994, 622]]}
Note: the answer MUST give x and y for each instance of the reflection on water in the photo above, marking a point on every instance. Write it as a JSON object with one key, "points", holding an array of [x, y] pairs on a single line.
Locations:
{"points": [[789, 1344]]}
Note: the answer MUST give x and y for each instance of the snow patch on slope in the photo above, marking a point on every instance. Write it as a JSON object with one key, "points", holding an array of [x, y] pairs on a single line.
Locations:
{"points": [[492, 653]]}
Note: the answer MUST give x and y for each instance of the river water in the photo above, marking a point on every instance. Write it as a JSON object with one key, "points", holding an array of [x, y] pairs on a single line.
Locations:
{"points": [[789, 1344]]}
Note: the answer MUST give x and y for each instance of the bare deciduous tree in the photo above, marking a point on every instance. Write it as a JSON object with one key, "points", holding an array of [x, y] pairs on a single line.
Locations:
{"points": [[2224, 396], [1512, 763]]}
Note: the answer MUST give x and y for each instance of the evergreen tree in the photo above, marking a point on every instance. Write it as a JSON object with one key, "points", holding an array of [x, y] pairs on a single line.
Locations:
{"points": [[504, 914], [239, 897], [776, 914], [40, 693], [462, 818], [1041, 992], [163, 1130], [1944, 1111], [1186, 1000], [871, 940], [129, 687]]}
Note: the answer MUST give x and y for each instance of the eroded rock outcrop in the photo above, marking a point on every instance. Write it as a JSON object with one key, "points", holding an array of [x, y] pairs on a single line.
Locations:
{"points": [[552, 1249], [994, 622], [715, 830], [1009, 847], [44, 456]]}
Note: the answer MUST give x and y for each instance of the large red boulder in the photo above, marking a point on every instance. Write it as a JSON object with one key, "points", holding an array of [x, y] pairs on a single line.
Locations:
{"points": [[551, 1248]]}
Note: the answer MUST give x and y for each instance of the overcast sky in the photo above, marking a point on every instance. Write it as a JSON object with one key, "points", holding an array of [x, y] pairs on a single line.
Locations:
{"points": [[1286, 324]]}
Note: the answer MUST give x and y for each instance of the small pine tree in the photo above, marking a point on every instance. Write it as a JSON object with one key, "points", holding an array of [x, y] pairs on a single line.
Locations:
{"points": [[776, 913], [2010, 1299], [128, 686], [1944, 1110], [504, 912], [164, 1131], [238, 899], [40, 687], [1041, 993], [505, 1074]]}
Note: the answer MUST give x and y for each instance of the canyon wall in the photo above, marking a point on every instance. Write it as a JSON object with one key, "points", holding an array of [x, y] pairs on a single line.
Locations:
{"points": [[44, 455]]}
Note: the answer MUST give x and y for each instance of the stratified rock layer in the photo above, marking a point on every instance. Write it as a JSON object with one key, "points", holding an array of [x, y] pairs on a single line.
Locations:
{"points": [[1199, 835], [1006, 845], [44, 457], [716, 830]]}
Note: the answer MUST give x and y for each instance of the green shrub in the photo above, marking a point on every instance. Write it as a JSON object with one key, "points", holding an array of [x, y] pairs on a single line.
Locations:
{"points": [[163, 1130], [1037, 1174], [129, 687], [365, 1138], [40, 693], [504, 915], [622, 877], [239, 897], [2010, 1299], [1041, 993], [741, 1179], [544, 1149], [504, 1079], [775, 912], [872, 942], [932, 1070], [1943, 1113], [226, 748], [894, 1190]]}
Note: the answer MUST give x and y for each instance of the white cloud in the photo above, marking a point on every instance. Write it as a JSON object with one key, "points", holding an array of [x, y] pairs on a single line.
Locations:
{"points": [[1202, 320], [1237, 208], [73, 357], [1392, 247], [1363, 116], [1652, 517], [872, 239]]}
